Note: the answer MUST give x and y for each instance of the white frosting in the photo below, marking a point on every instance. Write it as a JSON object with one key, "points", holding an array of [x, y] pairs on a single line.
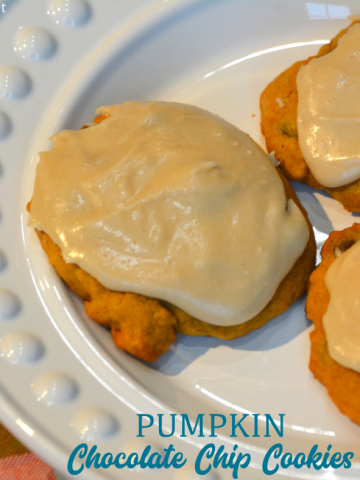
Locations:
{"points": [[342, 319], [329, 112], [170, 201]]}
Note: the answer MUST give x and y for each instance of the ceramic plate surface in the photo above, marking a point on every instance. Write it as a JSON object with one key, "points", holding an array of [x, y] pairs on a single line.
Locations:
{"points": [[62, 382]]}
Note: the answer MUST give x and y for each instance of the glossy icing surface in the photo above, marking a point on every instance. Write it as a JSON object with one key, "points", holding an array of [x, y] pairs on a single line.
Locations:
{"points": [[329, 112], [342, 319], [170, 201]]}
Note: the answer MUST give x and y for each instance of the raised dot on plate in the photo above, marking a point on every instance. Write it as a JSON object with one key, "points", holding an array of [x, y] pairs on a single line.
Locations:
{"points": [[34, 43], [21, 348], [5, 125], [14, 83], [3, 261], [69, 13], [9, 304], [95, 424], [55, 389]]}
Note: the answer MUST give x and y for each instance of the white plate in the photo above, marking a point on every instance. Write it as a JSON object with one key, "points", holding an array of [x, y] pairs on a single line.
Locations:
{"points": [[61, 379]]}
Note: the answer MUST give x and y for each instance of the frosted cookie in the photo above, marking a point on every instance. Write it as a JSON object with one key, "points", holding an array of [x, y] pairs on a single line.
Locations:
{"points": [[165, 218], [310, 119], [332, 306]]}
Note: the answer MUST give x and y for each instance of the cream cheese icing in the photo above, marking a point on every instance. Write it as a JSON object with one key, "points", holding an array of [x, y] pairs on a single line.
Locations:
{"points": [[170, 201], [342, 319], [329, 112]]}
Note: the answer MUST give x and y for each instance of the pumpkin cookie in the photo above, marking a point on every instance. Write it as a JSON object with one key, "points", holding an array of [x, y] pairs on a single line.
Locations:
{"points": [[342, 383], [279, 105], [144, 325]]}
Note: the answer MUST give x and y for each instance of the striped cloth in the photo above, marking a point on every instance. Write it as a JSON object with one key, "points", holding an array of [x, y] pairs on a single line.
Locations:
{"points": [[17, 463]]}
